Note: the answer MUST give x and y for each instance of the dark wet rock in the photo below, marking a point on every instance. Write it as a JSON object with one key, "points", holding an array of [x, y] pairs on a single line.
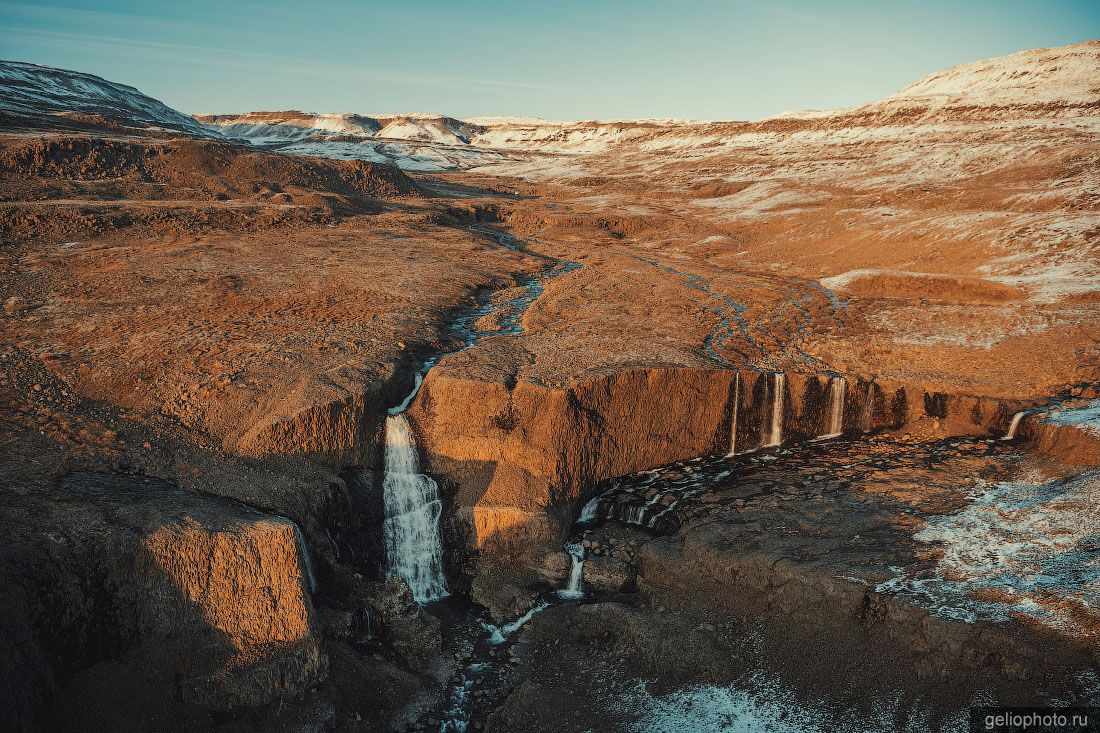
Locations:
{"points": [[503, 599], [608, 574], [411, 632]]}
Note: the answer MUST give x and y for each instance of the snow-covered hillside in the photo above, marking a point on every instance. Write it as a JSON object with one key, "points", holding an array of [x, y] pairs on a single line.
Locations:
{"points": [[1068, 75], [29, 92], [414, 141], [1052, 82]]}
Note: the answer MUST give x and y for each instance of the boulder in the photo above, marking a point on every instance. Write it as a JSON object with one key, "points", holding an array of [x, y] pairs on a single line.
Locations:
{"points": [[607, 574]]}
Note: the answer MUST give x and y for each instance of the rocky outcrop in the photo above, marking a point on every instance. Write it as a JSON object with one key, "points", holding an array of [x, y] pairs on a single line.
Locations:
{"points": [[797, 606], [519, 460], [211, 167], [339, 429], [137, 581], [1072, 434]]}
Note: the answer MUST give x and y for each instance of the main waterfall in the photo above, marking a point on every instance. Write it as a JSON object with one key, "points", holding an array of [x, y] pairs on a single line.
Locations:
{"points": [[1012, 426], [412, 508], [410, 499]]}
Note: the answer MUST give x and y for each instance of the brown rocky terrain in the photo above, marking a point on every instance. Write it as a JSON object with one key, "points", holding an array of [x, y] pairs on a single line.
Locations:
{"points": [[202, 338]]}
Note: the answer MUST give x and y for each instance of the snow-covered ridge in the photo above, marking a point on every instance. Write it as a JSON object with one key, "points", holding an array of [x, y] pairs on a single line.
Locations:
{"points": [[1056, 82], [1067, 74], [1062, 77], [292, 125], [31, 92]]}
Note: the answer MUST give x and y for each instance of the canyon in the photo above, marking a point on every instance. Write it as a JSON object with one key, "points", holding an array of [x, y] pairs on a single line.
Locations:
{"points": [[406, 422]]}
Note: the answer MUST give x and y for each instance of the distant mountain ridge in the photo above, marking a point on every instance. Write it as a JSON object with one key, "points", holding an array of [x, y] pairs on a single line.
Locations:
{"points": [[30, 94], [1048, 82], [293, 124], [1064, 74]]}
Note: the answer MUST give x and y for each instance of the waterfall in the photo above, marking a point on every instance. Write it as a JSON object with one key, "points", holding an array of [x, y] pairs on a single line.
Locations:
{"points": [[307, 561], [774, 436], [499, 634], [837, 388], [733, 416], [867, 413], [412, 509], [590, 511], [573, 588], [630, 514], [637, 513], [1012, 426]]}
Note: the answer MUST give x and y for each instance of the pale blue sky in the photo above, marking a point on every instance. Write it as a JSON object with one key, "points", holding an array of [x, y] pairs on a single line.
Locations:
{"points": [[739, 59]]}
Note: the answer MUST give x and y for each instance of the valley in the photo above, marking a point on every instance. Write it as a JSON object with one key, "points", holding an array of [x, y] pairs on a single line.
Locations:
{"points": [[405, 422]]}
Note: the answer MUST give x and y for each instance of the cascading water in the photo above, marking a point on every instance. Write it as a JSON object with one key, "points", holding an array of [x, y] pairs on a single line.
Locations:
{"points": [[867, 413], [733, 416], [590, 510], [307, 561], [1012, 426], [411, 499], [573, 589], [412, 509], [837, 388], [774, 435]]}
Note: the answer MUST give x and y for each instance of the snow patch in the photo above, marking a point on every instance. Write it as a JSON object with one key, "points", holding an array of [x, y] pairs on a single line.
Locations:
{"points": [[1018, 548], [758, 705], [1086, 417]]}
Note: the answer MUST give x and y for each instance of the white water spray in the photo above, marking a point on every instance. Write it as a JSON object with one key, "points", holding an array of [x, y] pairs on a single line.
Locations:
{"points": [[574, 589], [774, 436], [733, 417], [499, 634], [412, 509], [1012, 426], [590, 510], [837, 388]]}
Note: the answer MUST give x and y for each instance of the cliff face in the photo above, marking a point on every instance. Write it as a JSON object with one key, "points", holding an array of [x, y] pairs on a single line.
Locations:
{"points": [[540, 448], [1070, 432], [521, 461], [139, 583]]}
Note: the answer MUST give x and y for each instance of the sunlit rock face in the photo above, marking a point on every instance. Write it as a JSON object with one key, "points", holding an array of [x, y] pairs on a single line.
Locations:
{"points": [[202, 585]]}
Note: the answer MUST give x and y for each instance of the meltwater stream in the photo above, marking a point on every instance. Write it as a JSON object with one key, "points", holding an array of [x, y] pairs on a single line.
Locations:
{"points": [[412, 507]]}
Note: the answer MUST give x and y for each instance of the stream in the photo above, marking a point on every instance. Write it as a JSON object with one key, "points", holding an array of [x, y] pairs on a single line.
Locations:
{"points": [[413, 508]]}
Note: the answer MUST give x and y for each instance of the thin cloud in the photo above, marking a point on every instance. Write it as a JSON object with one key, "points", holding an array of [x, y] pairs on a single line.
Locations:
{"points": [[279, 65]]}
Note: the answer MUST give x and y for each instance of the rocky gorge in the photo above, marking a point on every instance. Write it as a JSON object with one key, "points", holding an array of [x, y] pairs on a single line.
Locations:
{"points": [[583, 426]]}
